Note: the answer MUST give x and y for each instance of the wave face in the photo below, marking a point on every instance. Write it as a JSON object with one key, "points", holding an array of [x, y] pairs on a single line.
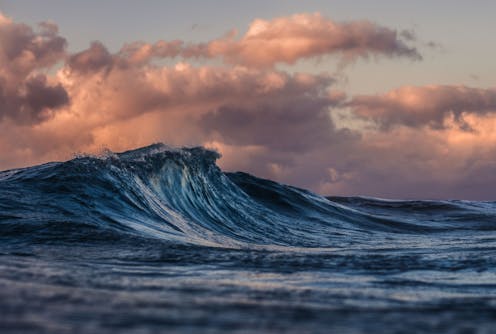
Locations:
{"points": [[180, 195], [171, 221]]}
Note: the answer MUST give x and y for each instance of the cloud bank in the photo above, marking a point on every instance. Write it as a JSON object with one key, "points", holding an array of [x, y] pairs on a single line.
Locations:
{"points": [[432, 141], [284, 40]]}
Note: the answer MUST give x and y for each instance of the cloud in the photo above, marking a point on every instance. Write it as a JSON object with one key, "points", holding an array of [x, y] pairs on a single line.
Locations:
{"points": [[421, 163], [303, 36], [26, 94], [35, 101], [25, 50], [128, 91], [141, 53], [237, 107], [432, 106], [273, 123], [95, 58], [280, 40], [299, 122], [123, 104]]}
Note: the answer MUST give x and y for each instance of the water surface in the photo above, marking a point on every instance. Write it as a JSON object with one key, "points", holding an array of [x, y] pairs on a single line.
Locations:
{"points": [[161, 240]]}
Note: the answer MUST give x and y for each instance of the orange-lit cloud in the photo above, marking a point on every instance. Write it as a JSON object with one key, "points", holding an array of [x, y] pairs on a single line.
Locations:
{"points": [[264, 120], [281, 40], [288, 39]]}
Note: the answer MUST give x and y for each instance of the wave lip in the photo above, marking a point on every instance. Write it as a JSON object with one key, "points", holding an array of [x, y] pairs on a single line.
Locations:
{"points": [[179, 195]]}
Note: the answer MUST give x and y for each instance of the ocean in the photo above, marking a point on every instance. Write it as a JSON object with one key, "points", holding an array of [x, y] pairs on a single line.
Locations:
{"points": [[161, 240]]}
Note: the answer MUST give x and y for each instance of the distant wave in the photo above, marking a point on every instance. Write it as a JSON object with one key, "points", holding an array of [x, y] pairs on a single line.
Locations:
{"points": [[181, 196]]}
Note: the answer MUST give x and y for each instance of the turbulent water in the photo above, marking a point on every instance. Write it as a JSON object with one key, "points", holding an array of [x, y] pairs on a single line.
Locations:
{"points": [[161, 240]]}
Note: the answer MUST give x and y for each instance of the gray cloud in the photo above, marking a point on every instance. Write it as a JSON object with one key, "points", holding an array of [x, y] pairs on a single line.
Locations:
{"points": [[295, 124], [32, 102], [95, 58]]}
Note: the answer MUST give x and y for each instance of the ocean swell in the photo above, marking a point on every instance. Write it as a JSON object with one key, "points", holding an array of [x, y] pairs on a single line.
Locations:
{"points": [[181, 196]]}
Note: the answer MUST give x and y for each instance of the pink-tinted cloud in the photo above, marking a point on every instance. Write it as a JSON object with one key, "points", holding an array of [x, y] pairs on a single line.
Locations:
{"points": [[431, 106], [24, 50], [284, 40], [421, 163], [302, 36], [26, 94], [266, 121], [112, 96]]}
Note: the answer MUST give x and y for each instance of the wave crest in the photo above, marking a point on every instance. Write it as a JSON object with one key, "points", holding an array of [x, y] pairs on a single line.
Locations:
{"points": [[181, 196]]}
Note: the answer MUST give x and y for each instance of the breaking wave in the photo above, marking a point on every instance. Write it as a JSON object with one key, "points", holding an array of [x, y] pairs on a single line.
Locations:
{"points": [[181, 196]]}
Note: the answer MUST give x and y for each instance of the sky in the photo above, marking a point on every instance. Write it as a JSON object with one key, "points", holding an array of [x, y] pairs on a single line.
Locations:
{"points": [[392, 99]]}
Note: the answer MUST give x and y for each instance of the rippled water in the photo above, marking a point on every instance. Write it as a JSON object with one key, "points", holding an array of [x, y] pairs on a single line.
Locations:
{"points": [[161, 240]]}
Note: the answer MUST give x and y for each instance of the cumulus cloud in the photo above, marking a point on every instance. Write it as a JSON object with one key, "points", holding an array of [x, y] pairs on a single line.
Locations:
{"points": [[26, 94], [24, 50], [273, 123], [288, 39], [283, 40], [185, 104], [433, 106], [127, 91]]}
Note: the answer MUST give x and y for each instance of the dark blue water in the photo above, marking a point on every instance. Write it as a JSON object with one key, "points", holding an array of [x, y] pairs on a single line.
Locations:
{"points": [[161, 240]]}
